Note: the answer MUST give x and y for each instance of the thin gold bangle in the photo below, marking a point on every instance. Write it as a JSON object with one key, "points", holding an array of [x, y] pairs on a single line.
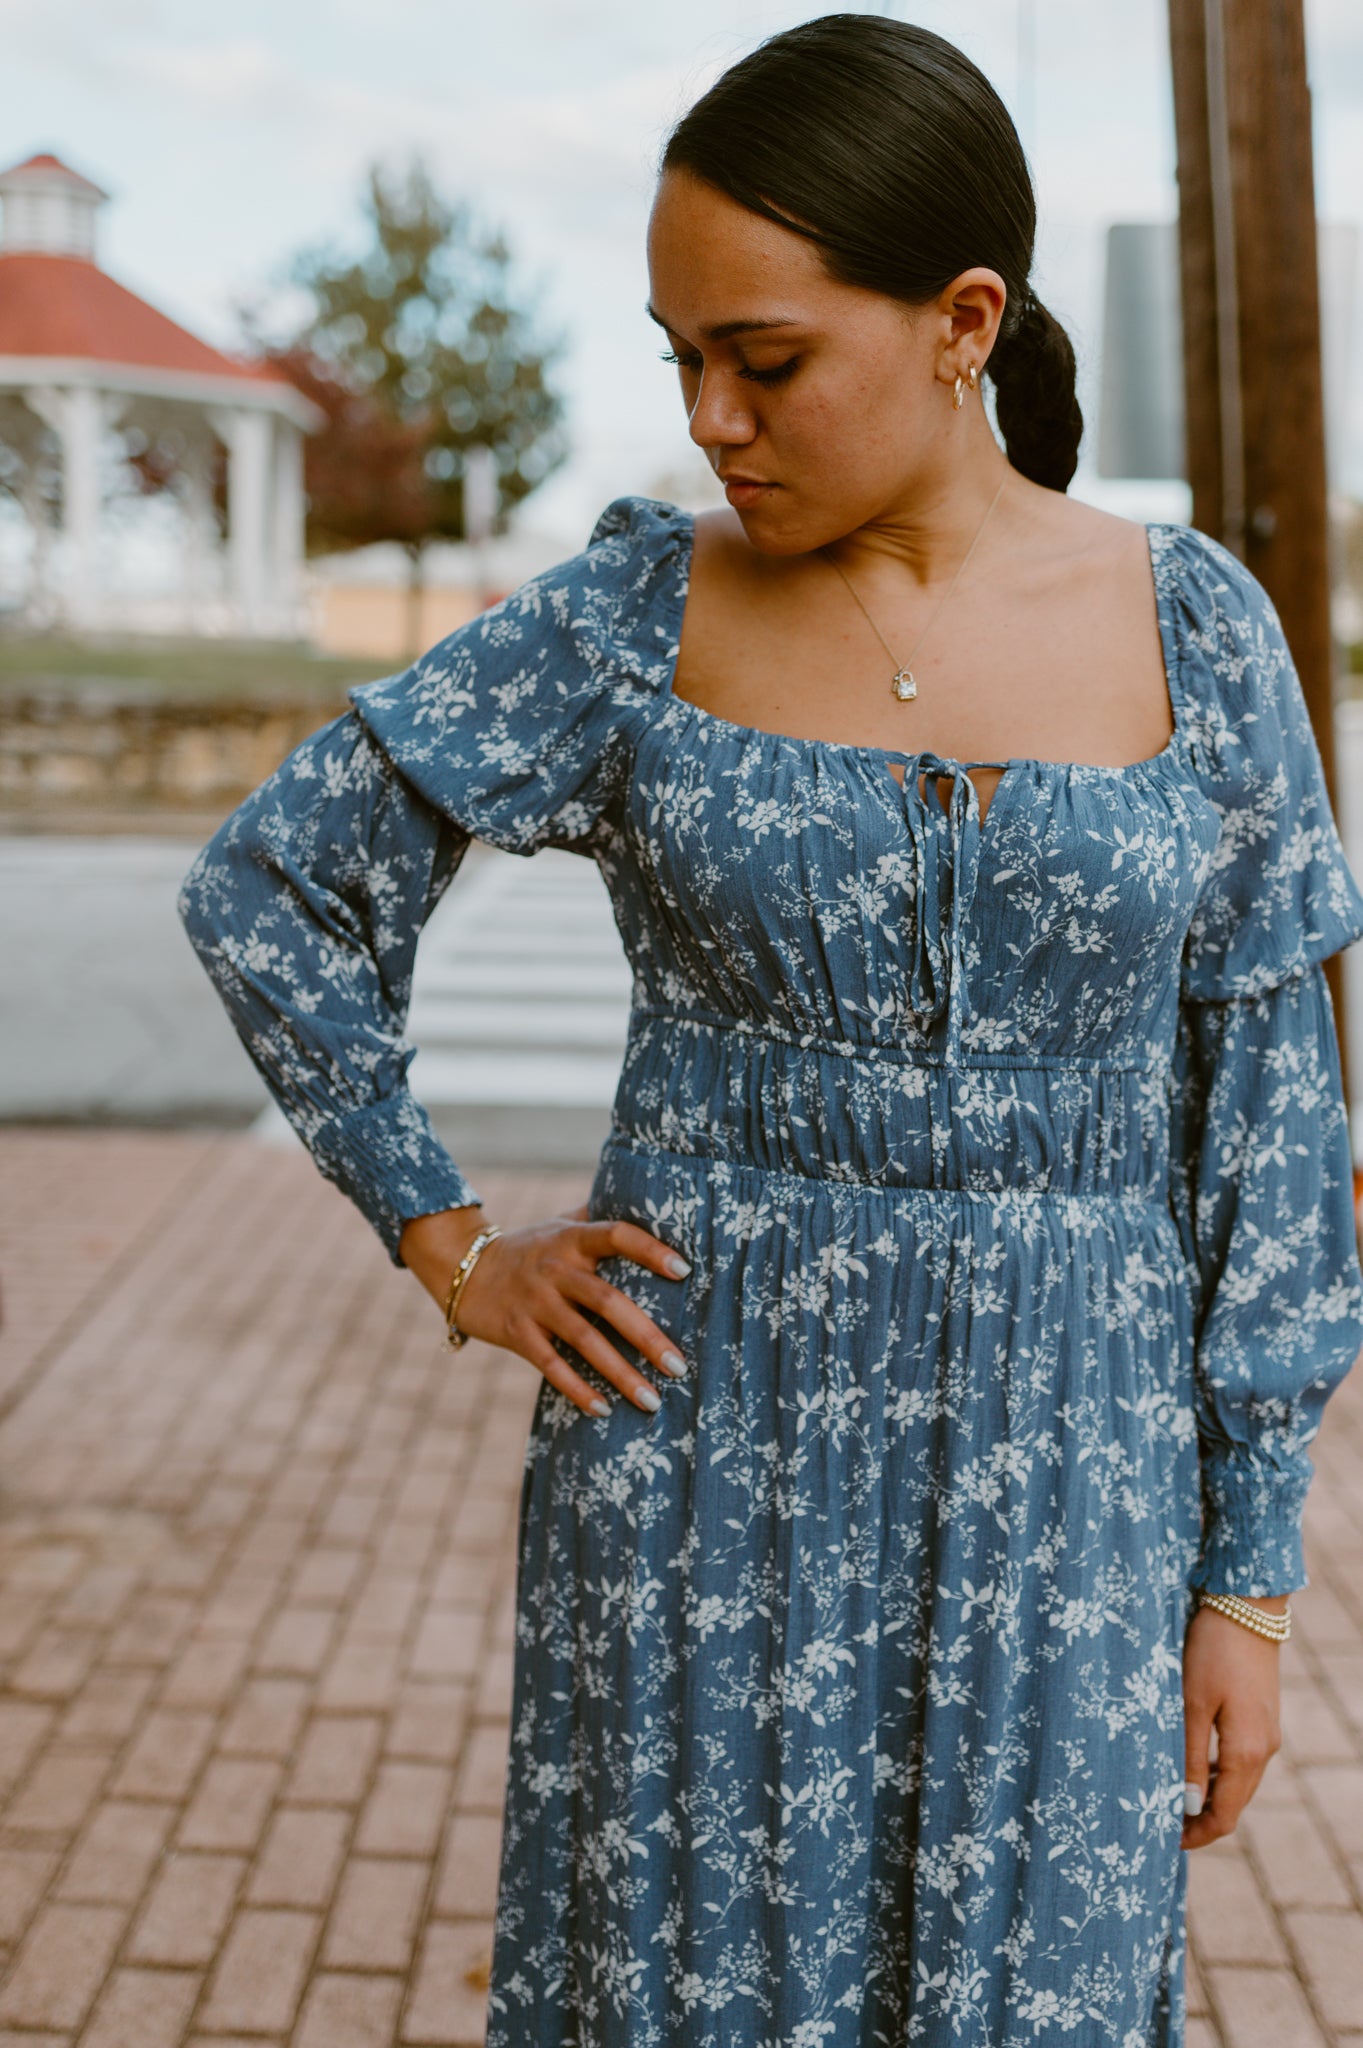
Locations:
{"points": [[454, 1338]]}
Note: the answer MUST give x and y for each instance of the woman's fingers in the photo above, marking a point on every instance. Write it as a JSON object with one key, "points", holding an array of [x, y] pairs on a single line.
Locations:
{"points": [[600, 1352], [525, 1287], [1230, 1681], [575, 1282], [630, 1320], [1237, 1777], [1197, 1734], [616, 1235], [536, 1349]]}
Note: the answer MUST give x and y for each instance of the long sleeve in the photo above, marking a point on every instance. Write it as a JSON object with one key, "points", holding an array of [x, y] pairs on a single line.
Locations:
{"points": [[306, 906], [1261, 1161], [305, 909], [1262, 1181]]}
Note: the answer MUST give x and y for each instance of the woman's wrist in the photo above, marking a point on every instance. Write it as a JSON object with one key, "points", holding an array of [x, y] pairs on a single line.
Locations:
{"points": [[432, 1246], [1267, 1614]]}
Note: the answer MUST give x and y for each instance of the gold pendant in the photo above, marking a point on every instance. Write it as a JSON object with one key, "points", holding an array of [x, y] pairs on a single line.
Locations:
{"points": [[904, 684]]}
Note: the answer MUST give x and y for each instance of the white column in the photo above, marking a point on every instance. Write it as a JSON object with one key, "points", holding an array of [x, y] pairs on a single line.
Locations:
{"points": [[38, 607], [290, 511], [78, 415], [82, 501], [196, 500], [21, 431], [248, 433]]}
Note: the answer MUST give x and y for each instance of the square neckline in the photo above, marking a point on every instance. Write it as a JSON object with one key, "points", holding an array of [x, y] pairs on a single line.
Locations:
{"points": [[1148, 762]]}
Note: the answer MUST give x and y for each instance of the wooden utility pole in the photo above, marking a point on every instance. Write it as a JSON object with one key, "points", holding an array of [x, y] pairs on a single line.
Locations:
{"points": [[1253, 398]]}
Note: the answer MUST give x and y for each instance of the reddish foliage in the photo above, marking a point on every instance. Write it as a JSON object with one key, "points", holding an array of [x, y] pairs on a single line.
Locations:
{"points": [[364, 470]]}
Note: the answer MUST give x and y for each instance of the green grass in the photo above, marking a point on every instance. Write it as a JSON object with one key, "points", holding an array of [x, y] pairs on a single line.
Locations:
{"points": [[193, 671]]}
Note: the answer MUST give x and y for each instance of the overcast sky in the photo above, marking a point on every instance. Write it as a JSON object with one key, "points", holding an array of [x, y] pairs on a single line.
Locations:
{"points": [[231, 136]]}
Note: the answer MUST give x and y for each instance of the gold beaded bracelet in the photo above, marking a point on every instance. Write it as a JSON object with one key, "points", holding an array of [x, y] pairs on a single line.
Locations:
{"points": [[453, 1337], [1277, 1627]]}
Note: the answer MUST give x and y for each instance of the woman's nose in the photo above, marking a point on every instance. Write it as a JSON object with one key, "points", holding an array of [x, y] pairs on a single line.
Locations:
{"points": [[719, 417]]}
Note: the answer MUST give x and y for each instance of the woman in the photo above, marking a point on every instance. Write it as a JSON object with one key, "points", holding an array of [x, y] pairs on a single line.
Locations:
{"points": [[997, 1118]]}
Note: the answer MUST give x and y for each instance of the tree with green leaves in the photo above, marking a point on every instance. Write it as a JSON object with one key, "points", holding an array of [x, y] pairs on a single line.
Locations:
{"points": [[416, 352]]}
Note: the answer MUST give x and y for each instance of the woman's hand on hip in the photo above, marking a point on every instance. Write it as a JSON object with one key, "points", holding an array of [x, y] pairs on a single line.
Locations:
{"points": [[1231, 1682], [534, 1282]]}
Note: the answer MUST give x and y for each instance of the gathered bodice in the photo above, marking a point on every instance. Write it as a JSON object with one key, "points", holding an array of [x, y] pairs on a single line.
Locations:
{"points": [[775, 880], [839, 974]]}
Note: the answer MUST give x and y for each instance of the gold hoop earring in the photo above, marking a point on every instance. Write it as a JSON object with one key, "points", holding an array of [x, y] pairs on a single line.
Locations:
{"points": [[973, 375], [958, 394]]}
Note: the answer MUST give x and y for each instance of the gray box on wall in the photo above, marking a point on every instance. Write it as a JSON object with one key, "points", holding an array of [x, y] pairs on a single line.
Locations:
{"points": [[1140, 397], [1140, 403]]}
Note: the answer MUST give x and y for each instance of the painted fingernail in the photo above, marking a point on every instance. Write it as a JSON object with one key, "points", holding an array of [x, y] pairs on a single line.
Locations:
{"points": [[677, 1266], [673, 1362], [600, 1406], [1192, 1799], [648, 1397]]}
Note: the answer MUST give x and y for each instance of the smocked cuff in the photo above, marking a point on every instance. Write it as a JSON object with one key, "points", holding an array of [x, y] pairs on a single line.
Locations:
{"points": [[1252, 1514], [387, 1158]]}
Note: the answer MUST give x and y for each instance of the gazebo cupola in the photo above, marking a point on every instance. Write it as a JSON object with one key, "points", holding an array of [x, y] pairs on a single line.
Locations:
{"points": [[49, 208], [81, 355]]}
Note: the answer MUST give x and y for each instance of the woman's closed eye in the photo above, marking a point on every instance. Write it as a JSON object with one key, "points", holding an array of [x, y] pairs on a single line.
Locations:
{"points": [[776, 376]]}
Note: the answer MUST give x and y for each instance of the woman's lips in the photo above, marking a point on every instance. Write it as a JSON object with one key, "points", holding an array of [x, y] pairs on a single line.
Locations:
{"points": [[740, 493]]}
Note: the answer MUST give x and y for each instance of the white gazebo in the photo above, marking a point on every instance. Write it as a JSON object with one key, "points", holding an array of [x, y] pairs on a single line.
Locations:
{"points": [[81, 355]]}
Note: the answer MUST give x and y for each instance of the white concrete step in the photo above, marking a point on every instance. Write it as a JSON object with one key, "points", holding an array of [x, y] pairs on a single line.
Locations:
{"points": [[444, 1080], [587, 979], [522, 1020]]}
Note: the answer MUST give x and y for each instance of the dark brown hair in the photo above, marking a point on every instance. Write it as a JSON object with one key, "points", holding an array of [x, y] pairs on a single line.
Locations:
{"points": [[886, 147]]}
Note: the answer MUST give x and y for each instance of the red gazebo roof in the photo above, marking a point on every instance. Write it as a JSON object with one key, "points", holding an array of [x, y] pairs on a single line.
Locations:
{"points": [[66, 307]]}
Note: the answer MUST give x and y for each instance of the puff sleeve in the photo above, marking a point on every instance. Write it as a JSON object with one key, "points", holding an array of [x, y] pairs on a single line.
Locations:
{"points": [[1261, 1159], [306, 906]]}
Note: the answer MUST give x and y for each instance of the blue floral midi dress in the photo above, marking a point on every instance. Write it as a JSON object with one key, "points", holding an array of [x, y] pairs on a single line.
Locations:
{"points": [[1010, 1159]]}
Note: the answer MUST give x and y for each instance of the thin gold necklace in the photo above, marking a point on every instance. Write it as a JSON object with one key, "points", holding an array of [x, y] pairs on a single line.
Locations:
{"points": [[903, 683]]}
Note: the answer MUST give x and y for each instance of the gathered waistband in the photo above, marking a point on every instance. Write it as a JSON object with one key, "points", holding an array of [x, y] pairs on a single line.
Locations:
{"points": [[714, 1087]]}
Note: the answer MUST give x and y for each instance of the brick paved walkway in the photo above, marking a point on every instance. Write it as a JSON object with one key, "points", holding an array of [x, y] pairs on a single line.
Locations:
{"points": [[256, 1572]]}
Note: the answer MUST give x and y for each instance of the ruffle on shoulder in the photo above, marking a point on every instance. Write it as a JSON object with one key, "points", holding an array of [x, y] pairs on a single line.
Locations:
{"points": [[1279, 893], [517, 726]]}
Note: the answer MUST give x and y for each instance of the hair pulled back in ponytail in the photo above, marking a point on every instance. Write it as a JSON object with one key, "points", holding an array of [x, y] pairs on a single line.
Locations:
{"points": [[885, 146], [1032, 365]]}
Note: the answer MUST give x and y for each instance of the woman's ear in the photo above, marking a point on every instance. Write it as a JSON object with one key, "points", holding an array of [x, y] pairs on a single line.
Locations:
{"points": [[974, 304]]}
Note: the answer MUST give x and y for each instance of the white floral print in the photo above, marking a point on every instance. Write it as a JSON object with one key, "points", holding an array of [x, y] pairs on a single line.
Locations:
{"points": [[1011, 1161]]}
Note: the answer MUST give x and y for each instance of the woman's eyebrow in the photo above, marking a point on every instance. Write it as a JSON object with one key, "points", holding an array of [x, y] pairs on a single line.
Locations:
{"points": [[723, 329]]}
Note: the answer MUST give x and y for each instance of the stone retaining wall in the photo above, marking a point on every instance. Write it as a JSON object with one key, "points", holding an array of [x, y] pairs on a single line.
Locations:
{"points": [[66, 747]]}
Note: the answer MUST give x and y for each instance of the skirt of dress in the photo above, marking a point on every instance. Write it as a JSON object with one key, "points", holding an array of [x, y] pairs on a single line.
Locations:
{"points": [[847, 1700]]}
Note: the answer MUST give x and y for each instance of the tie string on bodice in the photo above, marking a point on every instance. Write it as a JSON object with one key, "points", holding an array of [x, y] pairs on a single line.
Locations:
{"points": [[946, 844]]}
